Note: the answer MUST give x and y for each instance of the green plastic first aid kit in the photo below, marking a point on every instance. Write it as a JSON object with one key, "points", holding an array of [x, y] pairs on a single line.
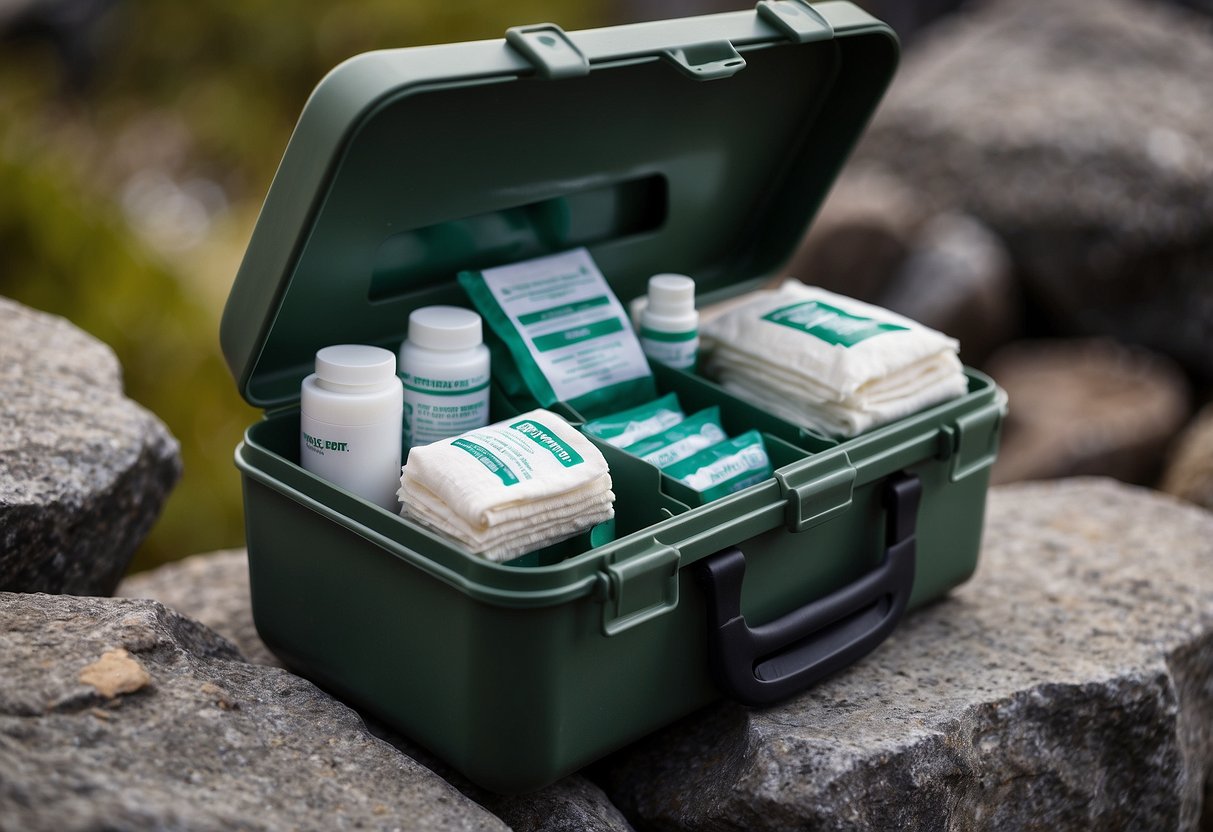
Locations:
{"points": [[701, 146]]}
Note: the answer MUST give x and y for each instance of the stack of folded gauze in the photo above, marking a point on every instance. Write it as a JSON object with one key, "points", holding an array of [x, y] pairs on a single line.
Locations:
{"points": [[828, 362], [509, 488]]}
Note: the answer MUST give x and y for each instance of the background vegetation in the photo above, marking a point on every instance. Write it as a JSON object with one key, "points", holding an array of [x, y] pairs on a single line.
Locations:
{"points": [[137, 140]]}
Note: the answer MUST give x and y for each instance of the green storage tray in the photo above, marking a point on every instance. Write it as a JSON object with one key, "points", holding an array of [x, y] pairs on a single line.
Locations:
{"points": [[701, 145]]}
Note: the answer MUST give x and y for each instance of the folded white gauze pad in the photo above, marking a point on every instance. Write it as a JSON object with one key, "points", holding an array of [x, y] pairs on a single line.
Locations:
{"points": [[829, 362], [509, 488]]}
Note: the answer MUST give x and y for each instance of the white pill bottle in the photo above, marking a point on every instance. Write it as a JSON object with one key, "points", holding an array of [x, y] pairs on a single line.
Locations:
{"points": [[444, 365], [669, 324], [350, 419]]}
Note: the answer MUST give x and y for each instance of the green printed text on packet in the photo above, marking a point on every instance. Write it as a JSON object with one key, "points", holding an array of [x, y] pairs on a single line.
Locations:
{"points": [[545, 438], [489, 460], [562, 324], [829, 323]]}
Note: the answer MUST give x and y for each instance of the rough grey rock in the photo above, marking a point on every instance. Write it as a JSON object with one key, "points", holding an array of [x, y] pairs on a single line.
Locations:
{"points": [[121, 714], [957, 279], [1189, 473], [1069, 685], [1085, 407], [862, 235], [214, 589], [1082, 134], [84, 471], [573, 804]]}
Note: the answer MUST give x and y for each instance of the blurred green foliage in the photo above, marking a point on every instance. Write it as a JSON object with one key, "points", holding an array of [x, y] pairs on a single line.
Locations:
{"points": [[201, 92]]}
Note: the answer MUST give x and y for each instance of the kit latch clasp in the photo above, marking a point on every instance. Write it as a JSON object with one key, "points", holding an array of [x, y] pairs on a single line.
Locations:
{"points": [[639, 588], [549, 50], [796, 20], [972, 441]]}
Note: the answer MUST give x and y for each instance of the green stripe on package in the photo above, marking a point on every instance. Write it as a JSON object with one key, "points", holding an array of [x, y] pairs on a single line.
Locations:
{"points": [[565, 331], [829, 323], [629, 426], [726, 467], [489, 460], [545, 438], [684, 439]]}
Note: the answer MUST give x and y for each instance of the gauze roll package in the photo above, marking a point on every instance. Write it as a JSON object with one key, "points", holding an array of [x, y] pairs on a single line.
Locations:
{"points": [[828, 362], [508, 488]]}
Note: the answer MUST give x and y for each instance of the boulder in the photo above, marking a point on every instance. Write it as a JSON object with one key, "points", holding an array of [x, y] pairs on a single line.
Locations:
{"points": [[957, 279], [1189, 473], [214, 589], [1087, 407], [122, 714], [211, 588], [84, 471], [1082, 134], [1069, 685], [862, 235]]}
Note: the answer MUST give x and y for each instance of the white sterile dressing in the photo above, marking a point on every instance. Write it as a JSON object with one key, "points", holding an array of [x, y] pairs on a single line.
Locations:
{"points": [[509, 488], [829, 362]]}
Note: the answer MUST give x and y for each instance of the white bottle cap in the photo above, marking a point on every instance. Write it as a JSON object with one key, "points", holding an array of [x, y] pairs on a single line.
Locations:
{"points": [[444, 328], [671, 294], [355, 365]]}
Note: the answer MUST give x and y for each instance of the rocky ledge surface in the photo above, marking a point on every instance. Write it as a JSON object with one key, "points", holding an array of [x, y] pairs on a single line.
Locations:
{"points": [[84, 471], [122, 714], [1068, 685]]}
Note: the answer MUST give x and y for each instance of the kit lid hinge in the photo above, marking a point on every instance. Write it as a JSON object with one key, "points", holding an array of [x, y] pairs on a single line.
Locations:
{"points": [[795, 19], [549, 50]]}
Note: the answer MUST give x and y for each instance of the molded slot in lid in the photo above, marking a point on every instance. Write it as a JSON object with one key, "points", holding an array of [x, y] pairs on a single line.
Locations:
{"points": [[707, 61], [417, 259]]}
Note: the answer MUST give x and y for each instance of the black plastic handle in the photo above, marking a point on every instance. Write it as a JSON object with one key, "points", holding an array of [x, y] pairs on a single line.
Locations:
{"points": [[761, 665]]}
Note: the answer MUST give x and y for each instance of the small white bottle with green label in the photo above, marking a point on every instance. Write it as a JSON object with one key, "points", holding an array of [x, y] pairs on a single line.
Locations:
{"points": [[444, 365], [669, 324], [350, 412]]}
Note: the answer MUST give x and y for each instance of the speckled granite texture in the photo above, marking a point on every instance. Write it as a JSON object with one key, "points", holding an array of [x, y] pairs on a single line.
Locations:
{"points": [[84, 471], [1069, 685], [199, 740], [214, 589]]}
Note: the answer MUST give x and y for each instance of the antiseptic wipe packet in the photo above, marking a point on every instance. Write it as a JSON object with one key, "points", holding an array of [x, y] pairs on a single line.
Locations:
{"points": [[629, 426], [725, 467], [564, 331], [684, 439]]}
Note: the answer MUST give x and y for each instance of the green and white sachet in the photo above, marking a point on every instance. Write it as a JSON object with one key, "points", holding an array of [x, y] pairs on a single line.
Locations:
{"points": [[691, 435], [630, 426], [564, 331], [726, 467]]}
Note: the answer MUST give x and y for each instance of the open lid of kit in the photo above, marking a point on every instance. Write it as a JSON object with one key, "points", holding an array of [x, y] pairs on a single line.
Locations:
{"points": [[701, 145]]}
